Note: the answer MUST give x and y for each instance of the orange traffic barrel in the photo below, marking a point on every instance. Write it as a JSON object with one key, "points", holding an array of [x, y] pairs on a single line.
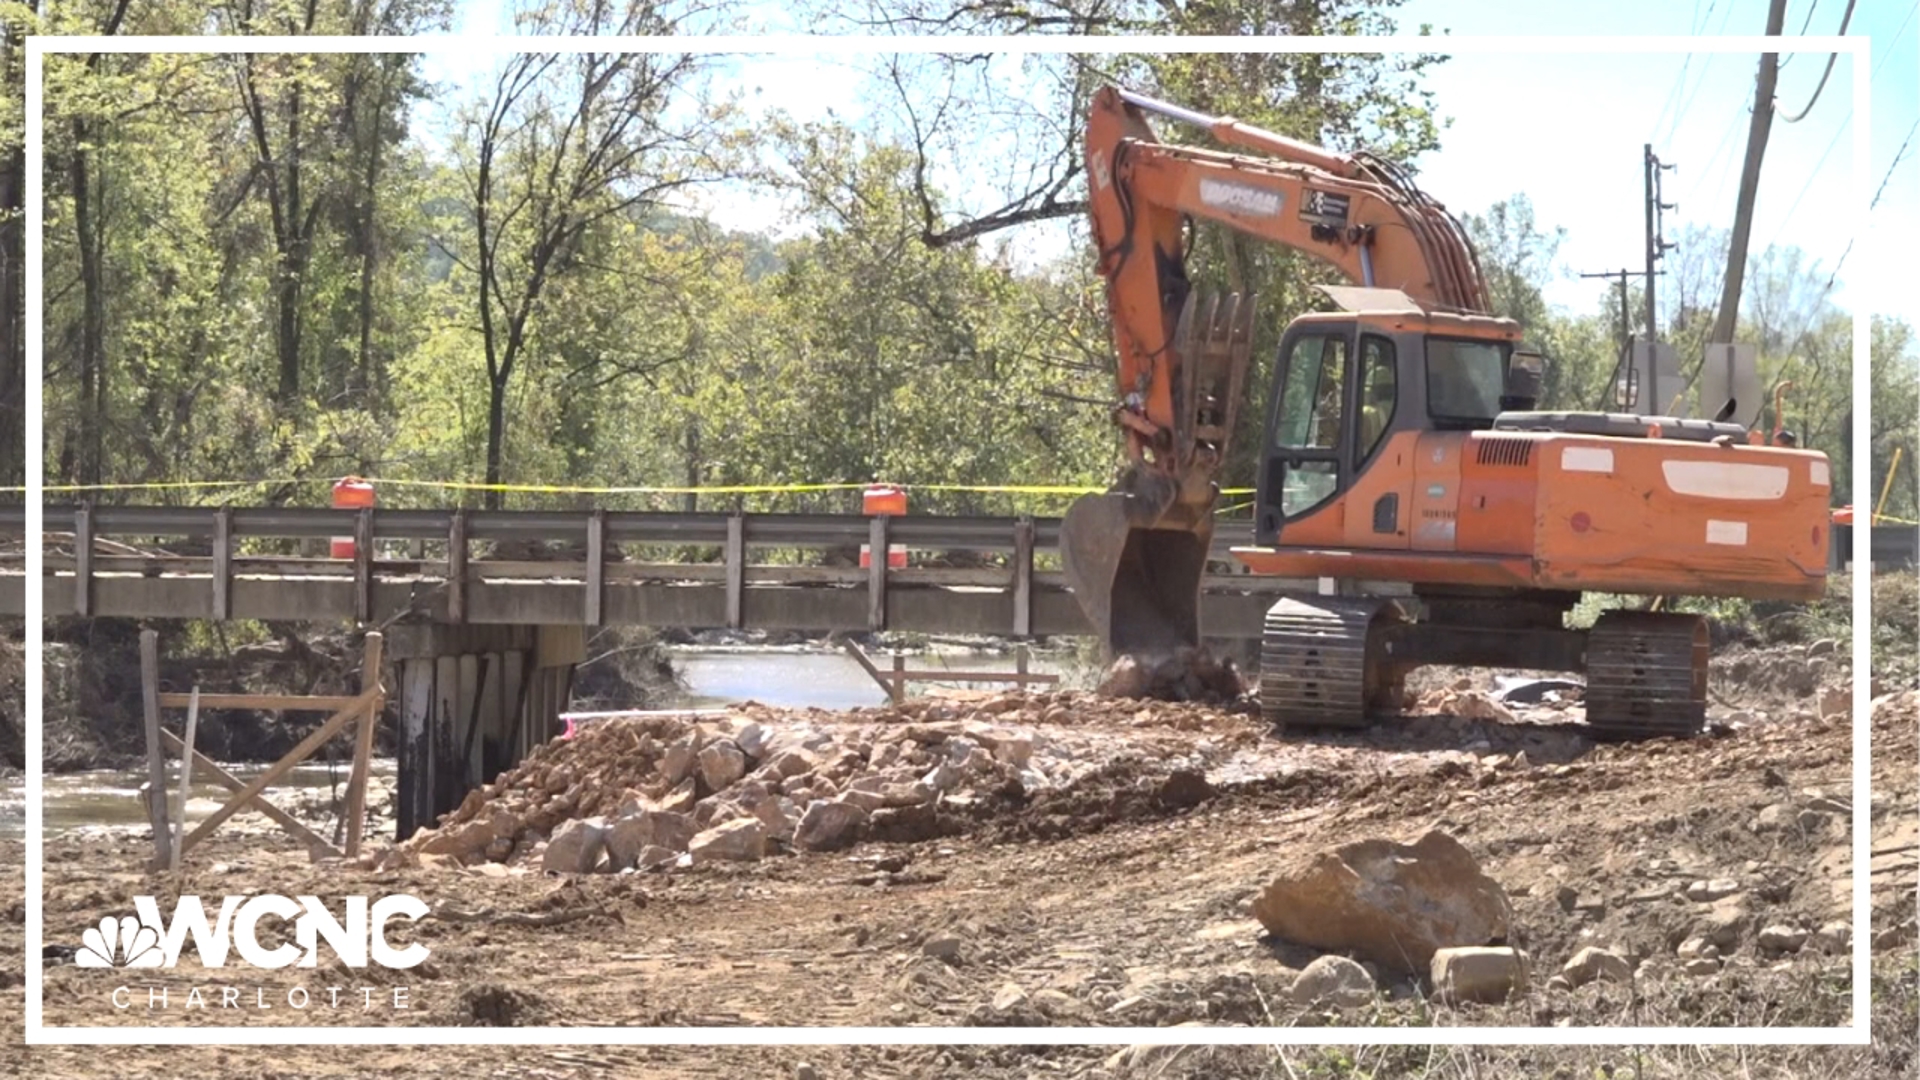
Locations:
{"points": [[889, 499], [349, 493]]}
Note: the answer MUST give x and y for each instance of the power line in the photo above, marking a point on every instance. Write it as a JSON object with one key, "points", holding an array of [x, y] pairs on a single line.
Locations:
{"points": [[1831, 57], [1726, 140], [1694, 23], [1804, 23], [1704, 69], [1834, 276], [1898, 156], [1898, 34], [1845, 121], [1815, 174]]}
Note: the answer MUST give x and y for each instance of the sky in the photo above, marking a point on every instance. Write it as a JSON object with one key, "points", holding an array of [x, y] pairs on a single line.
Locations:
{"points": [[1565, 130]]}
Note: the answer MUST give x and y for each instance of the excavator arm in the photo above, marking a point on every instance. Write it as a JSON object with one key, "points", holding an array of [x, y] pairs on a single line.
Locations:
{"points": [[1359, 214], [1134, 557]]}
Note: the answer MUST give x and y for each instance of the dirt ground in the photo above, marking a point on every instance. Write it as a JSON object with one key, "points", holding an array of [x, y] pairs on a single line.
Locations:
{"points": [[1103, 904]]}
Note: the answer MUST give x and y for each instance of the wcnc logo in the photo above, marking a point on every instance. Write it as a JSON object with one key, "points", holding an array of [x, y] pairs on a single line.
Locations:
{"points": [[145, 940]]}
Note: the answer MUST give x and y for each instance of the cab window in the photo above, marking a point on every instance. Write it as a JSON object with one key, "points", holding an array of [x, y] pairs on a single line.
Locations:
{"points": [[1464, 381], [1310, 399], [1379, 390]]}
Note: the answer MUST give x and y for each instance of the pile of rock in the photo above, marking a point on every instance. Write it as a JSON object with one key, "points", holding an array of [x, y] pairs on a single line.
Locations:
{"points": [[1461, 701], [643, 791], [1186, 674]]}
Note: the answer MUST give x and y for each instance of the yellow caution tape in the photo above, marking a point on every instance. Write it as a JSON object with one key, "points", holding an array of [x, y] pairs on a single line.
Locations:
{"points": [[563, 489], [575, 489], [159, 485]]}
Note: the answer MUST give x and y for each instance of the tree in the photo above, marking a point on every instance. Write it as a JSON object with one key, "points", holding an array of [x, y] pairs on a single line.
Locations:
{"points": [[565, 143]]}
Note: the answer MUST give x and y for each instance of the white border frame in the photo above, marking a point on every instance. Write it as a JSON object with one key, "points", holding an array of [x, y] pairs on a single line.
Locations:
{"points": [[1857, 1033]]}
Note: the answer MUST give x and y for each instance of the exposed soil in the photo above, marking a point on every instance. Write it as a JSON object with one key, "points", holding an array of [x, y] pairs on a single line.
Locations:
{"points": [[1106, 902]]}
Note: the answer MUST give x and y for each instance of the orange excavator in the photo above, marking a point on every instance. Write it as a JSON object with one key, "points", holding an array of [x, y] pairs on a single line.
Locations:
{"points": [[1403, 447]]}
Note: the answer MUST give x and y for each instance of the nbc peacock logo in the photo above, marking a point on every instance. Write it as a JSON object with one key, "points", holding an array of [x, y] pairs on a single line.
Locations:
{"points": [[125, 942]]}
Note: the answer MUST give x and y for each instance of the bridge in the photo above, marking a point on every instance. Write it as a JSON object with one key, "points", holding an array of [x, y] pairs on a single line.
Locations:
{"points": [[485, 645], [194, 563], [486, 613]]}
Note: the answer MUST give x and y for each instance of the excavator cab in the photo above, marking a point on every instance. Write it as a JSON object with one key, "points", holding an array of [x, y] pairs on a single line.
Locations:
{"points": [[1347, 385]]}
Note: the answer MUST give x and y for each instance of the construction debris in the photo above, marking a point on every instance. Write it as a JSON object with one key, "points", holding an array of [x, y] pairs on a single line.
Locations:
{"points": [[761, 781], [1188, 674]]}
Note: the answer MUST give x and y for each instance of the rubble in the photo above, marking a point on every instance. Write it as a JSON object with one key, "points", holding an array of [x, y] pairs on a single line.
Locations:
{"points": [[887, 774], [1188, 674]]}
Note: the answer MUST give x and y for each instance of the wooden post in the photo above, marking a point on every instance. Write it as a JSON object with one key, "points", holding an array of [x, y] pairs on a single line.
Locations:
{"points": [[899, 681], [736, 555], [363, 565], [83, 560], [363, 746], [156, 762], [457, 570], [223, 563], [877, 574], [1023, 577], [596, 564], [233, 783], [186, 772], [1020, 660], [886, 683]]}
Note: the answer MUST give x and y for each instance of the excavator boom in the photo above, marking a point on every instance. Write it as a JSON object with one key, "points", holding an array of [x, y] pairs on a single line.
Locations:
{"points": [[1134, 556]]}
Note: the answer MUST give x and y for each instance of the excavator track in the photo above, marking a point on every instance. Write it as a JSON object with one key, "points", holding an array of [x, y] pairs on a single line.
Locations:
{"points": [[1314, 664], [1647, 675]]}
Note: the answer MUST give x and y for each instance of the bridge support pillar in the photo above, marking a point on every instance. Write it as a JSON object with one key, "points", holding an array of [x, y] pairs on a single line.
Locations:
{"points": [[474, 701]]}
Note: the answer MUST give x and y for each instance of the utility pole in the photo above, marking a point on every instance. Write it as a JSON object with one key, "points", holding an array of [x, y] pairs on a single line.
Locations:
{"points": [[1657, 246], [1757, 130], [1626, 320], [1619, 277]]}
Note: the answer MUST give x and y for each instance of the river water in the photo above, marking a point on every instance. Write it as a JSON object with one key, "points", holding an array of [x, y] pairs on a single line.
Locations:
{"points": [[782, 678]]}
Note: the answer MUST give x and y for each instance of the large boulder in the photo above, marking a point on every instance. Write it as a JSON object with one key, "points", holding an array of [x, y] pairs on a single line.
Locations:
{"points": [[575, 847], [830, 825], [631, 834], [742, 839], [459, 841], [722, 764], [1395, 904]]}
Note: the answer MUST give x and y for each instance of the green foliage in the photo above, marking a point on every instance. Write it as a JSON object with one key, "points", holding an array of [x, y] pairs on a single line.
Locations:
{"points": [[198, 328]]}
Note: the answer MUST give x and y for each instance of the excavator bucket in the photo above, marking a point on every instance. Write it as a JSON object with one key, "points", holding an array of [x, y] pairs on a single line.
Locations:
{"points": [[1134, 556], [1139, 586]]}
